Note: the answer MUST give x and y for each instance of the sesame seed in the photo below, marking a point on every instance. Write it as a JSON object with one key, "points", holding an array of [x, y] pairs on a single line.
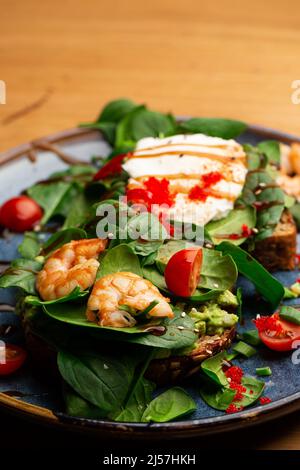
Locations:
{"points": [[180, 327], [255, 230], [208, 245], [258, 191], [196, 330], [183, 315], [262, 185], [216, 285]]}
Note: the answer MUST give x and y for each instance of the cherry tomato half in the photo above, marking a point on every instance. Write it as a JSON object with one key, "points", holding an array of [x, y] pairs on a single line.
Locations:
{"points": [[11, 358], [182, 272], [20, 213], [282, 337], [112, 167]]}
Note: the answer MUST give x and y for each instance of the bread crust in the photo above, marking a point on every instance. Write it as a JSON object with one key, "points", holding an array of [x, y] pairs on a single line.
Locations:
{"points": [[176, 368], [278, 252]]}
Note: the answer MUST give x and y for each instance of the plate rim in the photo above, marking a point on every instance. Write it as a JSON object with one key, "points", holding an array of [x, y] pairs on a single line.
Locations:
{"points": [[177, 429]]}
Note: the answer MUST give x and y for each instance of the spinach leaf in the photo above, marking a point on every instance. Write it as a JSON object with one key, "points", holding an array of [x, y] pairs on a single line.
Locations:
{"points": [[225, 128], [213, 367], [295, 210], [170, 336], [219, 230], [78, 173], [271, 289], [254, 385], [21, 274], [262, 192], [255, 158], [147, 227], [77, 293], [30, 246], [102, 380], [216, 397], [137, 403], [118, 259], [60, 238], [140, 123], [116, 110], [217, 272], [169, 405], [79, 407], [79, 213], [179, 333], [271, 149], [53, 198]]}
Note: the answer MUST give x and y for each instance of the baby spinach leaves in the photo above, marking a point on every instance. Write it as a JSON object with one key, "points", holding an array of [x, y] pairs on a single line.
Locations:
{"points": [[169, 405], [215, 127], [77, 293], [216, 391], [30, 246], [102, 380], [220, 230], [271, 289], [260, 191], [60, 238], [118, 259], [21, 273]]}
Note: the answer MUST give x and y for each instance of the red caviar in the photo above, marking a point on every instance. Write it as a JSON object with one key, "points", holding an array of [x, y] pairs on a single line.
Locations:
{"points": [[232, 408], [240, 390], [264, 400], [234, 373], [269, 324], [200, 191]]}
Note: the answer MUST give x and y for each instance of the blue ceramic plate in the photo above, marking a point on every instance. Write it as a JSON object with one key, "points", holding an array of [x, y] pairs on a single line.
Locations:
{"points": [[25, 394]]}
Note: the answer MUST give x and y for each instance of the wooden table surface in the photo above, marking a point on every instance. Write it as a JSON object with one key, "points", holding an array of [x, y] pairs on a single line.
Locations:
{"points": [[65, 59]]}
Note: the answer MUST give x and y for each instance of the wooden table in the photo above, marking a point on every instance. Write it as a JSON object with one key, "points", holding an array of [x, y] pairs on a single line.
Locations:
{"points": [[62, 61]]}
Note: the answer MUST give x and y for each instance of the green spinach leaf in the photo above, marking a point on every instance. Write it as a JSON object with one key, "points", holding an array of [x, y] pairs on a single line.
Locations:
{"points": [[225, 128], [60, 238], [219, 230], [169, 405], [271, 289], [21, 273], [118, 259], [30, 246]]}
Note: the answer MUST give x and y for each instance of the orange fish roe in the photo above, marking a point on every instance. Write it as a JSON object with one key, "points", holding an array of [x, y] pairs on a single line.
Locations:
{"points": [[264, 400], [232, 408]]}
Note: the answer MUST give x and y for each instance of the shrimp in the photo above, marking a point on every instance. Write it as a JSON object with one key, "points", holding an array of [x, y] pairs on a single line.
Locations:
{"points": [[124, 289], [73, 265]]}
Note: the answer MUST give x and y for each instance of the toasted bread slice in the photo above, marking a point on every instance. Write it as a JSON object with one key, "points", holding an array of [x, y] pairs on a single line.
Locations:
{"points": [[278, 252], [176, 368]]}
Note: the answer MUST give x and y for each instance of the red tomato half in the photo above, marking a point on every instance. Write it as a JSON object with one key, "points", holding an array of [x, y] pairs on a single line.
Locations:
{"points": [[11, 359], [111, 168], [282, 337], [182, 272], [20, 214]]}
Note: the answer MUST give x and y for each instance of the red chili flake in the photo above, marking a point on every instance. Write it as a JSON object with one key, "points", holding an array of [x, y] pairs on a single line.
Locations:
{"points": [[160, 190], [269, 324], [209, 179], [111, 168], [234, 373], [198, 194], [246, 231], [232, 408], [234, 236], [240, 390], [264, 400]]}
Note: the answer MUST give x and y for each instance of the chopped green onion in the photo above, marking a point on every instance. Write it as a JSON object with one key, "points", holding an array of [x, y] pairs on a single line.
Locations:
{"points": [[290, 314], [263, 371], [149, 308], [244, 349], [252, 337], [128, 309], [231, 356]]}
